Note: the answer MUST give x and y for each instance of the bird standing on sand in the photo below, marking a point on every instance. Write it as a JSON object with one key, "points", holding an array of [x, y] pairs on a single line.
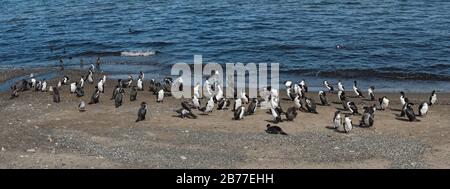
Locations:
{"points": [[33, 81], [291, 113], [340, 86], [239, 113], [288, 84], [223, 104], [251, 108], [357, 90], [65, 80], [402, 98], [384, 103], [56, 97], [303, 86], [351, 106], [197, 90], [141, 75], [410, 112], [128, 82], [81, 82], [311, 105], [90, 77], [195, 102], [140, 85], [348, 125], [209, 91], [341, 95], [14, 91], [290, 93], [44, 86], [142, 112], [73, 87], [160, 97], [115, 91], [297, 102], [79, 91], [167, 85], [118, 98], [92, 68], [296, 89], [104, 79], [100, 86], [368, 117], [276, 113], [433, 98], [95, 96], [269, 91], [219, 94], [323, 98], [370, 93], [179, 84], [328, 86], [97, 63], [405, 106], [133, 93], [209, 106], [244, 97], [337, 121], [237, 103], [152, 86], [59, 85], [423, 109], [82, 106], [38, 86], [289, 89]]}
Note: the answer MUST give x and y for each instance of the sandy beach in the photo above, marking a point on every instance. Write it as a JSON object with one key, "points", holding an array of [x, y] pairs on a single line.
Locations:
{"points": [[35, 132]]}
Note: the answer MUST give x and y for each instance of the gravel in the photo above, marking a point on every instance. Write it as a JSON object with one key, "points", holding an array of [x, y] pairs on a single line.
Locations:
{"points": [[207, 149]]}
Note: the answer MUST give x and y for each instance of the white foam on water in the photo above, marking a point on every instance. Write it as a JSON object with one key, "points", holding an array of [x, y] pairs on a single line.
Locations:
{"points": [[137, 53]]}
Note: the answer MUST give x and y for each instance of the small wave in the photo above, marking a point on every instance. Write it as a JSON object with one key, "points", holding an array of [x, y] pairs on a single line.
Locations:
{"points": [[114, 53], [96, 53], [137, 53]]}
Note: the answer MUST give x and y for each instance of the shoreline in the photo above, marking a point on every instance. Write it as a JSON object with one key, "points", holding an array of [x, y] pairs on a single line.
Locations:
{"points": [[314, 83], [37, 133]]}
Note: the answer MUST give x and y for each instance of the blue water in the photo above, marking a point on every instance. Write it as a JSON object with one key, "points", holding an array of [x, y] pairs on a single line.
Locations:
{"points": [[383, 41]]}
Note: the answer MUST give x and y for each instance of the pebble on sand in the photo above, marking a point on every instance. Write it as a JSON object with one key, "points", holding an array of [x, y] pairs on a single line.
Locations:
{"points": [[32, 150]]}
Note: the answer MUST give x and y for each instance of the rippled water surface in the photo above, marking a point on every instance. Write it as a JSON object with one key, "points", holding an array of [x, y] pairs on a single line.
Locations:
{"points": [[389, 40]]}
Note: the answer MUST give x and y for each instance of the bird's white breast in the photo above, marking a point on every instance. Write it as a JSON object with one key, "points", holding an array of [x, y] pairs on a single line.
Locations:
{"points": [[337, 121], [274, 113], [348, 124], [242, 112]]}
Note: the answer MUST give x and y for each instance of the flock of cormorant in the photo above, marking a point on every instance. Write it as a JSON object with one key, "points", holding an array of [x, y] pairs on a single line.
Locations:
{"points": [[268, 99]]}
